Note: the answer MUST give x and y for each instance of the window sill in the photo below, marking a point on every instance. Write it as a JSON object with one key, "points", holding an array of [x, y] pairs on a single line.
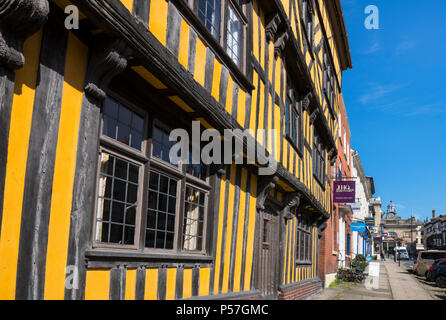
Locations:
{"points": [[101, 257], [303, 263]]}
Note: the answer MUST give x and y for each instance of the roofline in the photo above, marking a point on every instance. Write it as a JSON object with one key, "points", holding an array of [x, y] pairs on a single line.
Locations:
{"points": [[337, 17]]}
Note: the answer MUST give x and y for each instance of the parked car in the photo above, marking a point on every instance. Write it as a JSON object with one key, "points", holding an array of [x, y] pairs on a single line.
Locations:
{"points": [[437, 273], [426, 259], [402, 253]]}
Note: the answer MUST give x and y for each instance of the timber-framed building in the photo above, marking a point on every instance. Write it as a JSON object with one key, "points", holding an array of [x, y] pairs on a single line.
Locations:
{"points": [[91, 206]]}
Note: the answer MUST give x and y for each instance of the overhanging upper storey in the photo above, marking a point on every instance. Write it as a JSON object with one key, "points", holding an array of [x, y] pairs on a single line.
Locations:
{"points": [[336, 14]]}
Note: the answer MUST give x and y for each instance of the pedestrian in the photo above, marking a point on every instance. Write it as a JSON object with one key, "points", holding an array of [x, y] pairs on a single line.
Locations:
{"points": [[383, 257]]}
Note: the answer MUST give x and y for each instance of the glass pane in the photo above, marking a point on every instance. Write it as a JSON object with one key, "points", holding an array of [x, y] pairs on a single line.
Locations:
{"points": [[136, 140], [173, 188], [159, 204], [234, 37], [150, 239], [116, 235], [153, 200], [122, 124], [164, 184], [153, 184], [161, 223], [111, 108], [107, 162], [117, 214], [151, 219], [109, 127], [125, 115], [117, 200], [162, 145], [119, 188], [124, 134], [169, 240], [121, 169], [130, 216], [209, 12], [160, 240], [103, 231], [129, 235], [170, 222], [193, 219]]}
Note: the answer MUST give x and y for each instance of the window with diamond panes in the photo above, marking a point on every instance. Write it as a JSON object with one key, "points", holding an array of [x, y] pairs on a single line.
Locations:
{"points": [[146, 215], [122, 124], [161, 211], [209, 12], [193, 224], [117, 200], [234, 36]]}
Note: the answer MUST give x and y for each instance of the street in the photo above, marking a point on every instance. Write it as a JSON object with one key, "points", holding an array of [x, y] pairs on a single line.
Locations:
{"points": [[395, 282]]}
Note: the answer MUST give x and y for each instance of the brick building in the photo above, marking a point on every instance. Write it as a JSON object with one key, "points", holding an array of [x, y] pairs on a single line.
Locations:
{"points": [[335, 244]]}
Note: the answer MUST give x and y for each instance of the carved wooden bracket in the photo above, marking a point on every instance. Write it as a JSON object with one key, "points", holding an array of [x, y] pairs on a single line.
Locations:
{"points": [[265, 186], [19, 19], [292, 200], [306, 100], [332, 155], [271, 28], [321, 229], [314, 115], [108, 59], [279, 45]]}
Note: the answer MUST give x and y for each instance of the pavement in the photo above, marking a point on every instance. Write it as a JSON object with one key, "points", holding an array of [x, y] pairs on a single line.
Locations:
{"points": [[404, 286], [393, 283]]}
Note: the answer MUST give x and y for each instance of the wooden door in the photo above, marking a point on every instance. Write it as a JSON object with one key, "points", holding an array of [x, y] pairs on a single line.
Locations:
{"points": [[269, 255]]}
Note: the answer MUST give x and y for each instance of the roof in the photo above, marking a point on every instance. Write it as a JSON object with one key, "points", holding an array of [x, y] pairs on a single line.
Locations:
{"points": [[336, 14]]}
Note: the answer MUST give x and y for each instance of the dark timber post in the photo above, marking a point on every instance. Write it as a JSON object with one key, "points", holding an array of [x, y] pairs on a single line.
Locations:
{"points": [[107, 59], [292, 200], [19, 19]]}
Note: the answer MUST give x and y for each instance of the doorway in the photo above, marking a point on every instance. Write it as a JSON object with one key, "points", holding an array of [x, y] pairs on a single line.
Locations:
{"points": [[269, 255]]}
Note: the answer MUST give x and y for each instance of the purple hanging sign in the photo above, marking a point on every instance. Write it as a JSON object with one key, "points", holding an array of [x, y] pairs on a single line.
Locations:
{"points": [[344, 191]]}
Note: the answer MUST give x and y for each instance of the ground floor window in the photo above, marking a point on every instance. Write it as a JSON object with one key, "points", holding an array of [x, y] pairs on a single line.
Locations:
{"points": [[304, 240], [143, 201]]}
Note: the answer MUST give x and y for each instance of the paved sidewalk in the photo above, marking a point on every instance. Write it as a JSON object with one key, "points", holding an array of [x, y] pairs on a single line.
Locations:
{"points": [[374, 288], [403, 285], [394, 283]]}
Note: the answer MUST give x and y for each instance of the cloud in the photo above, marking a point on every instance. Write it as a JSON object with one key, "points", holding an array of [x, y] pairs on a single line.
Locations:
{"points": [[431, 109], [378, 91], [404, 46], [400, 206], [375, 47]]}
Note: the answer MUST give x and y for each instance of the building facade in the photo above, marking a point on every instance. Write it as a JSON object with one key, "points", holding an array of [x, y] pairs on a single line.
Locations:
{"points": [[365, 189], [434, 236], [376, 235], [399, 232], [92, 205], [335, 244]]}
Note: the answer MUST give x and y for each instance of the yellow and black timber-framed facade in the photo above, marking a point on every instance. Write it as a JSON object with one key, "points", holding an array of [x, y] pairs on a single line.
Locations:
{"points": [[90, 208]]}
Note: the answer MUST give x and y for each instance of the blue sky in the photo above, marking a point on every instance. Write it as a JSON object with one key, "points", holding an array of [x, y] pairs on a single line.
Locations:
{"points": [[395, 97]]}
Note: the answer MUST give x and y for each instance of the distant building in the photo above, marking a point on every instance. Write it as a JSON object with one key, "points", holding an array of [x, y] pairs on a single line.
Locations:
{"points": [[399, 232], [365, 188], [435, 233]]}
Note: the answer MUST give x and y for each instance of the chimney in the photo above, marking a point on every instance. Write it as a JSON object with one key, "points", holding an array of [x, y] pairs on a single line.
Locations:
{"points": [[433, 214]]}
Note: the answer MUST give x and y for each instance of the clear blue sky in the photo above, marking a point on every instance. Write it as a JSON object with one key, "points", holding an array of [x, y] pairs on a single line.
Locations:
{"points": [[395, 97]]}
